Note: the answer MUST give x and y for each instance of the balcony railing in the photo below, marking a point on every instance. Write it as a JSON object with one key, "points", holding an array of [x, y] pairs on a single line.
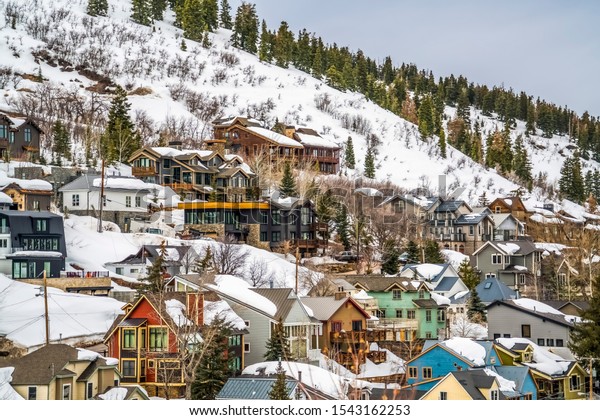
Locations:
{"points": [[454, 237], [376, 356], [348, 336], [143, 171], [178, 186], [84, 274], [320, 227]]}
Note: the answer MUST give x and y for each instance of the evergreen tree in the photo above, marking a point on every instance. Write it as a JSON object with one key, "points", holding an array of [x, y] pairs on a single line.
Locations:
{"points": [[210, 14], [370, 163], [413, 254], [225, 15], [522, 164], [348, 74], [349, 158], [585, 336], [317, 63], [391, 258], [62, 141], [214, 369], [463, 106], [279, 390], [283, 49], [205, 263], [278, 346], [571, 183], [120, 138], [265, 51], [425, 116], [287, 187], [343, 226], [141, 12], [155, 281], [97, 7], [158, 8], [302, 57], [432, 253], [192, 20], [442, 143], [245, 28], [468, 275], [476, 311], [335, 78]]}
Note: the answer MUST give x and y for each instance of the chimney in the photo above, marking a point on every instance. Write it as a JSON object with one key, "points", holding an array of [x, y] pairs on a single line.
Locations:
{"points": [[175, 144], [194, 304], [289, 131], [339, 295]]}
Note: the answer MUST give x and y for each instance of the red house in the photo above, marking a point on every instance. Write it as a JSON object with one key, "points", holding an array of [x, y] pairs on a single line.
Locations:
{"points": [[147, 339]]}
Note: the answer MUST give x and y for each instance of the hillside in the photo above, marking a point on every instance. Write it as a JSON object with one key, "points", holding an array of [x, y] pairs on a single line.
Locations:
{"points": [[180, 92]]}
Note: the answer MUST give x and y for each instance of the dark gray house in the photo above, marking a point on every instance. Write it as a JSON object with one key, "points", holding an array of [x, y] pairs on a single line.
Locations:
{"points": [[19, 138], [31, 242]]}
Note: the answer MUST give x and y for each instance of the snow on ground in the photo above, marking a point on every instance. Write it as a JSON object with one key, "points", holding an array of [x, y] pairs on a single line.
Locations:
{"points": [[462, 327], [314, 376], [7, 392], [393, 365], [73, 317], [454, 258], [543, 360], [467, 348]]}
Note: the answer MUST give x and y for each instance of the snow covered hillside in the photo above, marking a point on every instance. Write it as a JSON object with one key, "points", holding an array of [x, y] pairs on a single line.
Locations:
{"points": [[187, 89]]}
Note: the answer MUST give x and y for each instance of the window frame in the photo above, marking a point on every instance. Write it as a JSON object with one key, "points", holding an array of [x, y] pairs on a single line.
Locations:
{"points": [[413, 372], [153, 335], [75, 200], [427, 372], [131, 366], [526, 330], [130, 333], [89, 390], [29, 393], [396, 294], [443, 395], [66, 387]]}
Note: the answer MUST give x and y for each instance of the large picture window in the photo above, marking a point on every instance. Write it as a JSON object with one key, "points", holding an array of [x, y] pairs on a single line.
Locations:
{"points": [[158, 339], [128, 339]]}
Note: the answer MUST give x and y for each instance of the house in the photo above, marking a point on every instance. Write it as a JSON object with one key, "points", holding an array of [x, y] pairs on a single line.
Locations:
{"points": [[561, 281], [149, 338], [26, 194], [177, 259], [516, 263], [568, 307], [19, 138], [267, 224], [31, 242], [442, 278], [261, 310], [510, 205], [491, 290], [62, 372], [528, 318], [406, 306], [344, 336], [555, 376], [438, 358], [474, 384], [195, 174], [453, 224], [251, 387], [125, 198], [317, 150], [507, 227]]}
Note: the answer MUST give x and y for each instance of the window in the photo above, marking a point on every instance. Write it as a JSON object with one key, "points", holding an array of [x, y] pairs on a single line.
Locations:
{"points": [[3, 131], [128, 368], [494, 394], [264, 218], [89, 391], [496, 259], [506, 335], [490, 276], [129, 338], [66, 394], [167, 163], [275, 236], [119, 270], [138, 201], [127, 201], [276, 217], [421, 294], [380, 313], [336, 326], [3, 243], [526, 331], [32, 393], [443, 395], [550, 342], [305, 215], [412, 372], [41, 225], [541, 341], [357, 325], [496, 336], [428, 315], [487, 285], [497, 209], [562, 279], [428, 334], [427, 373], [521, 278], [560, 342], [158, 339], [75, 200], [27, 133], [574, 383], [246, 347], [398, 313], [264, 236], [411, 314], [471, 230], [441, 315], [396, 294]]}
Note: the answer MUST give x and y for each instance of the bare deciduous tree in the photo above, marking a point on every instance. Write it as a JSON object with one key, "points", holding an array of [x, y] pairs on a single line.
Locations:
{"points": [[229, 257]]}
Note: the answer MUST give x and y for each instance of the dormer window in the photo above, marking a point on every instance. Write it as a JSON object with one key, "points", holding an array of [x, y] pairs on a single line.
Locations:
{"points": [[40, 225], [27, 133], [527, 356]]}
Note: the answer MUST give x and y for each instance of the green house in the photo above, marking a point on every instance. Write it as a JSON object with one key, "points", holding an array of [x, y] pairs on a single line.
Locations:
{"points": [[405, 305]]}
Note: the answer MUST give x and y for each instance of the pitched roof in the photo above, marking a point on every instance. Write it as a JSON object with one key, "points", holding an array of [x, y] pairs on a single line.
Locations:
{"points": [[252, 388], [283, 298], [470, 219], [426, 303], [383, 284], [474, 380], [325, 307], [446, 283], [450, 206], [555, 318]]}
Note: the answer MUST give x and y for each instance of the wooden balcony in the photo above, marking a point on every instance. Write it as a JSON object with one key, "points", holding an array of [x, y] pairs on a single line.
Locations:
{"points": [[319, 227], [376, 335], [350, 360], [310, 243], [180, 186], [377, 356], [348, 336], [143, 171]]}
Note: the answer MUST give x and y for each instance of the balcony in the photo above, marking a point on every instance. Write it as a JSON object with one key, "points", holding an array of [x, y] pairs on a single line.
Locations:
{"points": [[319, 227], [84, 274], [452, 237], [180, 186], [143, 171], [348, 336], [377, 356], [310, 243]]}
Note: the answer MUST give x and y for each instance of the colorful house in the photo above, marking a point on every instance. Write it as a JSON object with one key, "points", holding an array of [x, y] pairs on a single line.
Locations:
{"points": [[466, 385]]}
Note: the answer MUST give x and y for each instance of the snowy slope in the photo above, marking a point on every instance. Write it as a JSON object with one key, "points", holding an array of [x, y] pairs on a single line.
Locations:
{"points": [[136, 56]]}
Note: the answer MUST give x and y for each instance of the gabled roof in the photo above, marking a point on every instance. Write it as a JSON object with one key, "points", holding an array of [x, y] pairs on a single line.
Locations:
{"points": [[450, 206], [231, 120], [283, 298], [511, 203], [386, 284], [519, 247], [446, 284], [492, 289], [465, 349], [471, 219], [173, 255], [554, 318], [273, 137], [425, 303], [326, 306], [473, 381]]}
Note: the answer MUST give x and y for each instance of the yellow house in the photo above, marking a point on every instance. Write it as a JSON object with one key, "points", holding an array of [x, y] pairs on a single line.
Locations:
{"points": [[466, 385], [62, 372]]}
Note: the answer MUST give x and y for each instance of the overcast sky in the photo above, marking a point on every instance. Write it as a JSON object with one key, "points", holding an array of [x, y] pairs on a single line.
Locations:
{"points": [[548, 48]]}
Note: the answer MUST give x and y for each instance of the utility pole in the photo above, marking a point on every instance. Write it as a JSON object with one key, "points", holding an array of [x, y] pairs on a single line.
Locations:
{"points": [[297, 266], [47, 321], [101, 204]]}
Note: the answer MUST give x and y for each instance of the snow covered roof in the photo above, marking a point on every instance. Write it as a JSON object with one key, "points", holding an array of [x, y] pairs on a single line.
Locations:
{"points": [[393, 365], [222, 309], [368, 192], [176, 310], [542, 360], [454, 258], [469, 349], [537, 306], [439, 299], [315, 141], [239, 289], [5, 198], [277, 138], [121, 183], [7, 392], [25, 184]]}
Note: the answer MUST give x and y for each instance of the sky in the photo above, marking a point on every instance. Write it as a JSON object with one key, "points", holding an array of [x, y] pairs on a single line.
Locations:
{"points": [[547, 48]]}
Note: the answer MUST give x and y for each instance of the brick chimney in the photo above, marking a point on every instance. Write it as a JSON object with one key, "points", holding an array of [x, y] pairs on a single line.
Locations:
{"points": [[194, 305]]}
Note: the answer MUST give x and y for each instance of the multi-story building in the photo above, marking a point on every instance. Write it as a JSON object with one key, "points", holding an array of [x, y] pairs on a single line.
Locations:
{"points": [[19, 138]]}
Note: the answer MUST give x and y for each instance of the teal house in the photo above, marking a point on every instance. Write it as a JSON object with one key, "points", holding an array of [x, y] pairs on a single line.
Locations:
{"points": [[405, 305]]}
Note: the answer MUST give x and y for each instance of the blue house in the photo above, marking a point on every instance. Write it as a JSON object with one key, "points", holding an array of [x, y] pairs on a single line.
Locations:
{"points": [[439, 358], [490, 290], [524, 384]]}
